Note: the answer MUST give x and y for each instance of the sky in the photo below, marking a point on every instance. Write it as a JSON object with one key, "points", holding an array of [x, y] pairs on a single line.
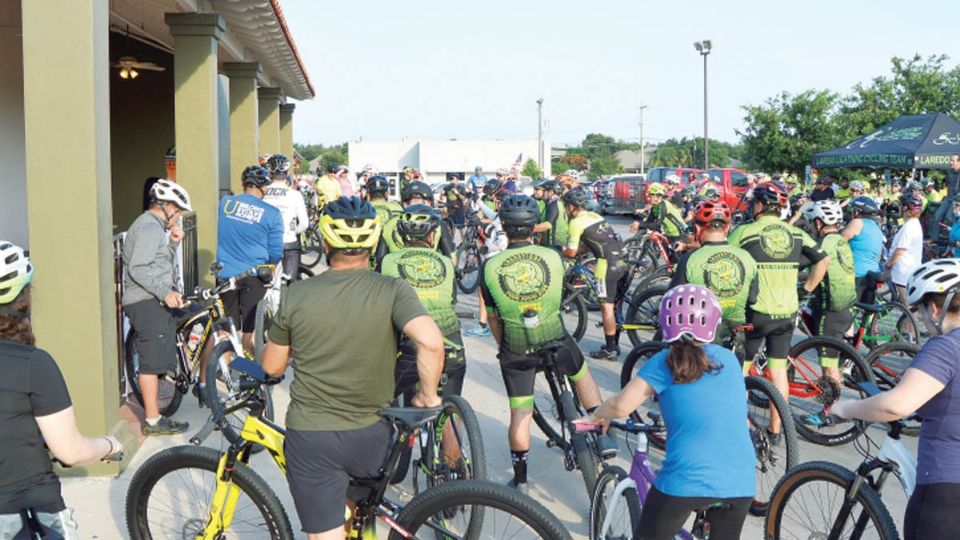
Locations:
{"points": [[385, 70]]}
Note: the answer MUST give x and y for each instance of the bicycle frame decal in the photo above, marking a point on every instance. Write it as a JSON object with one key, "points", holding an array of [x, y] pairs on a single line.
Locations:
{"points": [[259, 431], [224, 502]]}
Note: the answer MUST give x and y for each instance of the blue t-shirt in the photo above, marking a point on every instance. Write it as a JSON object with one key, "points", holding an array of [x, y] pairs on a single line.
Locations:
{"points": [[476, 182], [866, 248], [955, 238], [709, 452], [938, 453], [249, 232]]}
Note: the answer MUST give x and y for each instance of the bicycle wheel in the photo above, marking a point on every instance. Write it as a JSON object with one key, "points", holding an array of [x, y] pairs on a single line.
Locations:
{"points": [[169, 396], [574, 314], [546, 412], [807, 387], [894, 323], [311, 250], [459, 432], [773, 460], [171, 493], [263, 320], [806, 503], [468, 267], [446, 511], [637, 357], [624, 510], [888, 362], [221, 392], [644, 308], [584, 447]]}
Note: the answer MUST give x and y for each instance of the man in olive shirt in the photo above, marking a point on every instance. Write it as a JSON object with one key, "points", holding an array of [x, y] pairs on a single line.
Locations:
{"points": [[342, 327]]}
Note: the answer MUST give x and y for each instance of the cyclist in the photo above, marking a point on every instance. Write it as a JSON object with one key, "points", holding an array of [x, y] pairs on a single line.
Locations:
{"points": [[686, 204], [476, 181], [906, 250], [866, 241], [728, 271], [554, 226], [495, 242], [491, 194], [454, 197], [36, 409], [522, 287], [672, 187], [823, 189], [591, 233], [663, 216], [415, 192], [151, 295], [346, 358], [711, 462], [931, 387], [837, 293], [327, 187], [377, 187], [249, 233], [954, 237], [433, 278], [293, 210], [779, 249]]}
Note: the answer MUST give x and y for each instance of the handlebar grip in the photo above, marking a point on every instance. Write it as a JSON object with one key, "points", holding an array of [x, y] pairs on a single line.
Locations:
{"points": [[581, 427], [248, 384], [114, 458]]}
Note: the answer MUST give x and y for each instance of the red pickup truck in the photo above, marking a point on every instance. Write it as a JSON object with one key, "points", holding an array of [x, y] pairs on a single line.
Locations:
{"points": [[732, 184]]}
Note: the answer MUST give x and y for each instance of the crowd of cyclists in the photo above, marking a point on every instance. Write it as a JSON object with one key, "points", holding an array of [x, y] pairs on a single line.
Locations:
{"points": [[380, 322]]}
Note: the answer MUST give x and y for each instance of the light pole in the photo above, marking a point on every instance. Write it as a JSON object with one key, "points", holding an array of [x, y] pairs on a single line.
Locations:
{"points": [[540, 134], [704, 47], [642, 153]]}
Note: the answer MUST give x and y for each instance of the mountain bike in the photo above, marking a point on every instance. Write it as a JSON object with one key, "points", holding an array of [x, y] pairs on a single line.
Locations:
{"points": [[199, 492], [888, 362], [469, 254], [820, 499], [873, 324]]}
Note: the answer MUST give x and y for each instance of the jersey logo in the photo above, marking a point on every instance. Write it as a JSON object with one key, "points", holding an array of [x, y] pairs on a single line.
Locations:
{"points": [[242, 211], [524, 277], [776, 241], [422, 269], [724, 274]]}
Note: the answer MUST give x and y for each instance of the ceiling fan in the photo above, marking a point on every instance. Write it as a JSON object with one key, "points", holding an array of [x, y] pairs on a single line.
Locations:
{"points": [[129, 65]]}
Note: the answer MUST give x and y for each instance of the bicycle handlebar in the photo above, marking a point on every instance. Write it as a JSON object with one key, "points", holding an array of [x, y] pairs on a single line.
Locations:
{"points": [[629, 426]]}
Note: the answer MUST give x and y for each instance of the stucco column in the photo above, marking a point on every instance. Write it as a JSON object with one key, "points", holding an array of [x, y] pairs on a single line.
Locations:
{"points": [[196, 121], [286, 129], [269, 99], [70, 214], [244, 118]]}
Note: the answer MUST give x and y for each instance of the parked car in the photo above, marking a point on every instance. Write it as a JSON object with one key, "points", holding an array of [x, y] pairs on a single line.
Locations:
{"points": [[623, 194], [733, 185], [686, 174]]}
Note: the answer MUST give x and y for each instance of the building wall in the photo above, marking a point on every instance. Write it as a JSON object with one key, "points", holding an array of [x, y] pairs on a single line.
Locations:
{"points": [[141, 126], [13, 181]]}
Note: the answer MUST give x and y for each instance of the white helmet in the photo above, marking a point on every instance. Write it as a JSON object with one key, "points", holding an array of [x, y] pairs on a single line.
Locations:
{"points": [[937, 276], [673, 179], [857, 185], [828, 211], [16, 271], [808, 210], [167, 191]]}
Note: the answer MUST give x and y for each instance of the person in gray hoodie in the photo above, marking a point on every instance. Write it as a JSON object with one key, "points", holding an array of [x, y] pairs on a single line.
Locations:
{"points": [[151, 295]]}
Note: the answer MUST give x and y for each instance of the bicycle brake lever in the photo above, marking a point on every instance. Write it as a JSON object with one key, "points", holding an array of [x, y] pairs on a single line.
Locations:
{"points": [[204, 432]]}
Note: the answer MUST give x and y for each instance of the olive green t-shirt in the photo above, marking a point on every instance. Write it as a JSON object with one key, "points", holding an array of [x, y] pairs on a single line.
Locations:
{"points": [[342, 328]]}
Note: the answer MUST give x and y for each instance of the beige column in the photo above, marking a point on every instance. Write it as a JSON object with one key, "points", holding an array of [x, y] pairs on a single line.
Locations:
{"points": [[244, 118], [196, 121], [269, 99], [286, 129], [67, 107]]}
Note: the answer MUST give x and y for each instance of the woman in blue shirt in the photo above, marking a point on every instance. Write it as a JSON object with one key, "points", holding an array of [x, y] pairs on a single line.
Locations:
{"points": [[866, 241], [709, 458]]}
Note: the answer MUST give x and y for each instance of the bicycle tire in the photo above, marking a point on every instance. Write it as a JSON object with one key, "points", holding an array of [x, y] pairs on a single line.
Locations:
{"points": [[173, 460], [803, 395], [262, 321], [311, 246], [827, 473], [599, 503], [547, 416], [220, 399], [169, 395], [888, 372], [468, 253], [475, 466], [644, 308], [779, 458], [583, 448], [897, 322], [641, 352], [574, 313], [432, 505]]}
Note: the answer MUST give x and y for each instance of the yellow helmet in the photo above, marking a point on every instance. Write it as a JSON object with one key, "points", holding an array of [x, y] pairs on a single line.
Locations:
{"points": [[656, 189], [350, 224]]}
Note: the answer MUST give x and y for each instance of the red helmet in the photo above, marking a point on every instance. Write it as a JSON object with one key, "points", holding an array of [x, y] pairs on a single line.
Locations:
{"points": [[709, 211], [770, 194]]}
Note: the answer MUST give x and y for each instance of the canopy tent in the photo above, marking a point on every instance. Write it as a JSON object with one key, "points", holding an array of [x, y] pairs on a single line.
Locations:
{"points": [[923, 141]]}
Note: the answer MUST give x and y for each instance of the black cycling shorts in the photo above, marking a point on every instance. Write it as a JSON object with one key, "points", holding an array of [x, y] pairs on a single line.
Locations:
{"points": [[616, 282], [156, 328], [454, 369], [774, 331], [520, 371], [831, 323], [240, 304], [320, 465]]}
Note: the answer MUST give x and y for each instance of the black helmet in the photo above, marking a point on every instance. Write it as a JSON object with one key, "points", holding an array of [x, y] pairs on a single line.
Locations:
{"points": [[491, 187], [552, 185], [518, 211], [378, 185], [333, 168], [417, 189], [417, 222], [255, 176], [278, 164], [688, 191], [577, 197], [771, 194]]}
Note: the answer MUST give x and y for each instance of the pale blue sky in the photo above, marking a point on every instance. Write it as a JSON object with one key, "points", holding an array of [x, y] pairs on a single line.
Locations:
{"points": [[473, 70]]}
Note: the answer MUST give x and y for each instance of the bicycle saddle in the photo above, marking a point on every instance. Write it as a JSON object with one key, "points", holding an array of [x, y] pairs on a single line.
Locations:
{"points": [[410, 417], [872, 308], [551, 347]]}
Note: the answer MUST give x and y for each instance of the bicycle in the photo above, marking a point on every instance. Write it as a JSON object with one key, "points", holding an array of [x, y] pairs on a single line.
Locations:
{"points": [[826, 500], [873, 324], [469, 254], [223, 489], [888, 362]]}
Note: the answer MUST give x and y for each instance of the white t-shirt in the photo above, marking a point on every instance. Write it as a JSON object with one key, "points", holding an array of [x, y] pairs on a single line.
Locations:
{"points": [[292, 208], [910, 238]]}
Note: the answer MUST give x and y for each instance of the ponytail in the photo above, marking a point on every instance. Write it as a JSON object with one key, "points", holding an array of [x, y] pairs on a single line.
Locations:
{"points": [[688, 362]]}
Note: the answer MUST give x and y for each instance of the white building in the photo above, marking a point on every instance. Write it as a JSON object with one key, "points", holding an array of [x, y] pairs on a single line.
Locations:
{"points": [[436, 159]]}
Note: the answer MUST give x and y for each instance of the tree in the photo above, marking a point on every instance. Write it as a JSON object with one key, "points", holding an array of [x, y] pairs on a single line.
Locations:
{"points": [[603, 166], [330, 155], [689, 153], [531, 169]]}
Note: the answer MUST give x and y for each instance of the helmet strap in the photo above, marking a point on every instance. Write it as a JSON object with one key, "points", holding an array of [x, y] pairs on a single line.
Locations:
{"points": [[7, 310]]}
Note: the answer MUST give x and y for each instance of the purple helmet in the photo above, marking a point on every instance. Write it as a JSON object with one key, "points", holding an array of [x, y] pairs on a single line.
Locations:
{"points": [[689, 310]]}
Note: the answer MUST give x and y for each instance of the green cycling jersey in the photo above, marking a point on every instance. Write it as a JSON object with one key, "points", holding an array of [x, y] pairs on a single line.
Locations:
{"points": [[559, 227], [728, 271], [386, 209], [838, 290], [591, 230], [433, 278]]}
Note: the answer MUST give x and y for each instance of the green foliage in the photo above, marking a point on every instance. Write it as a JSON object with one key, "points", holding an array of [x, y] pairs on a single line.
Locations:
{"points": [[603, 165], [330, 155], [689, 153], [531, 169]]}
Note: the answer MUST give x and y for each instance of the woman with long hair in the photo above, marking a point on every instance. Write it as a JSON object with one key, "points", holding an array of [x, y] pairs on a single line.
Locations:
{"points": [[35, 410], [710, 461]]}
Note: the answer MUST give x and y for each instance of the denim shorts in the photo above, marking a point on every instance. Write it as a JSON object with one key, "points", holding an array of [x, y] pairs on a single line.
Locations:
{"points": [[61, 522]]}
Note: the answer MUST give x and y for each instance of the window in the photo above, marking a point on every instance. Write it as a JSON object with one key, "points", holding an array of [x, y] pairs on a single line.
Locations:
{"points": [[739, 180], [656, 175]]}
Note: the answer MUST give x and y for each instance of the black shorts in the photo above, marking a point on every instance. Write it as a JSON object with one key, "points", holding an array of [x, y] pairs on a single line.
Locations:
{"points": [[615, 282], [156, 328], [774, 331], [831, 323], [520, 371], [240, 304], [457, 216], [320, 465], [454, 369], [291, 260]]}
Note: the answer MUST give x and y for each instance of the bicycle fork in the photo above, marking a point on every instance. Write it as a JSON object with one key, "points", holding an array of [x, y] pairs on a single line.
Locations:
{"points": [[225, 498]]}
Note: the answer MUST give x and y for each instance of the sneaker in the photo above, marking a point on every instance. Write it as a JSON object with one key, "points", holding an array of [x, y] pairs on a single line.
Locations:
{"points": [[478, 331], [522, 488], [165, 426], [774, 438], [604, 354], [606, 446]]}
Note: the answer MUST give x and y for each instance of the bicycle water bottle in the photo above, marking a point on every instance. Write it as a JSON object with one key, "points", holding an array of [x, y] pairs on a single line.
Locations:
{"points": [[193, 341]]}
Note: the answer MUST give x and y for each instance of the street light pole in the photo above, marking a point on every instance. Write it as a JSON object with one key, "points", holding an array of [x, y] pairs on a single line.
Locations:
{"points": [[643, 154], [540, 133], [704, 47]]}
